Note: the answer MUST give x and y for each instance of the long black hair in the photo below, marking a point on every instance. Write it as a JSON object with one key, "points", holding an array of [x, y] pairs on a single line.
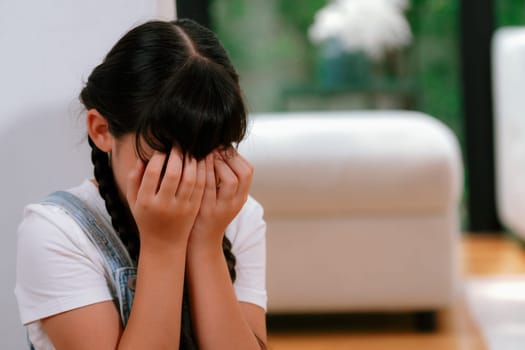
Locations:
{"points": [[170, 84]]}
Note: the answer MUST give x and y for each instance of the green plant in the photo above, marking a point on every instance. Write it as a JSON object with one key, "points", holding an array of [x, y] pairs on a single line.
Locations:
{"points": [[300, 15], [510, 12]]}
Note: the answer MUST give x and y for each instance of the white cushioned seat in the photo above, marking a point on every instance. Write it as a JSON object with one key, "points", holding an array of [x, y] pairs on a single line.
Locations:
{"points": [[362, 209], [508, 52], [370, 160]]}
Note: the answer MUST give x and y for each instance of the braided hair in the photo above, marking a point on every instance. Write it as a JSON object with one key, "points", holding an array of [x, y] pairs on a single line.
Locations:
{"points": [[170, 84]]}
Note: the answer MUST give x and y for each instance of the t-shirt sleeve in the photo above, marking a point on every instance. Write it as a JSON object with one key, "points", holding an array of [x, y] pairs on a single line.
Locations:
{"points": [[248, 236], [58, 268]]}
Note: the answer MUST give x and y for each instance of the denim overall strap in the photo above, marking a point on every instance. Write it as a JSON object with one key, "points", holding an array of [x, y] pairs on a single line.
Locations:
{"points": [[123, 271]]}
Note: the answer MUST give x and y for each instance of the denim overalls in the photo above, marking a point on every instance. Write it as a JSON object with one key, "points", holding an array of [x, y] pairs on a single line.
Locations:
{"points": [[123, 272]]}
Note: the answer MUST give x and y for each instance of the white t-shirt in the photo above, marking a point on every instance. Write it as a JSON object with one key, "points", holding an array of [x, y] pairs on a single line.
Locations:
{"points": [[59, 268]]}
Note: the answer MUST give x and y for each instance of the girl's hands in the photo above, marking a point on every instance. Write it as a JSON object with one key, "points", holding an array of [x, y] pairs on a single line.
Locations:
{"points": [[228, 180], [164, 206]]}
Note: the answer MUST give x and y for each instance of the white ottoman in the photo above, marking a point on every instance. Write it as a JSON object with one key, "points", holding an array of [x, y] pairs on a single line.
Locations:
{"points": [[508, 50], [362, 210]]}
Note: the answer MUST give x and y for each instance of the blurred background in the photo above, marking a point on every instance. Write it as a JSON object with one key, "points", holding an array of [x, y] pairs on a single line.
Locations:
{"points": [[408, 56], [433, 56]]}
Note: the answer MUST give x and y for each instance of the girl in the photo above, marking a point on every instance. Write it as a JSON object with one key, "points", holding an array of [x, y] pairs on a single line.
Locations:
{"points": [[173, 254]]}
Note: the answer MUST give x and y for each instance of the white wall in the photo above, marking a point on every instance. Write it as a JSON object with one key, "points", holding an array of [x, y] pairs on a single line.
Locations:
{"points": [[47, 49], [166, 9]]}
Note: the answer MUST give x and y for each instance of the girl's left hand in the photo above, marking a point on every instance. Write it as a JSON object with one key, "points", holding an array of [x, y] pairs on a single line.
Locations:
{"points": [[228, 180]]}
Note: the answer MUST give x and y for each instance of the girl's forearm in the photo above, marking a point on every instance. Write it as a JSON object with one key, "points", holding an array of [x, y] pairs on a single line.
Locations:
{"points": [[155, 318], [218, 321]]}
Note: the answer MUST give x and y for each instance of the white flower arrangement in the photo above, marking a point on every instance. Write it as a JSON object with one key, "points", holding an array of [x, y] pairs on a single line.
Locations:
{"points": [[371, 26]]}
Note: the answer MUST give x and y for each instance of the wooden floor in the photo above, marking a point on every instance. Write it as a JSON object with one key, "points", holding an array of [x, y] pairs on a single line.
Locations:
{"points": [[481, 255]]}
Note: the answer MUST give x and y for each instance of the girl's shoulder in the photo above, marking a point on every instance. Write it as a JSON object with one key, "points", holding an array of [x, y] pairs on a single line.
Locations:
{"points": [[252, 208], [58, 268], [248, 227], [44, 226]]}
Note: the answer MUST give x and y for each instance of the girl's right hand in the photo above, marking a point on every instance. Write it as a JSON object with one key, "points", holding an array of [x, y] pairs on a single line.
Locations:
{"points": [[165, 206]]}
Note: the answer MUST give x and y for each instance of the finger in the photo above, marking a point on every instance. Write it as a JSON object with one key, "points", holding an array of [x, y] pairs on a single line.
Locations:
{"points": [[227, 179], [172, 176], [152, 174], [134, 180], [236, 162], [189, 173], [210, 192], [200, 182], [240, 166]]}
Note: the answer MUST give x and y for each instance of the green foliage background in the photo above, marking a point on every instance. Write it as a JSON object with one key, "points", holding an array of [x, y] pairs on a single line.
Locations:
{"points": [[268, 44], [267, 41]]}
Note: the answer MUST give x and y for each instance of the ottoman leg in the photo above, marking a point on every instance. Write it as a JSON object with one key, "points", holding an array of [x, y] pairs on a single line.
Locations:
{"points": [[425, 321]]}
